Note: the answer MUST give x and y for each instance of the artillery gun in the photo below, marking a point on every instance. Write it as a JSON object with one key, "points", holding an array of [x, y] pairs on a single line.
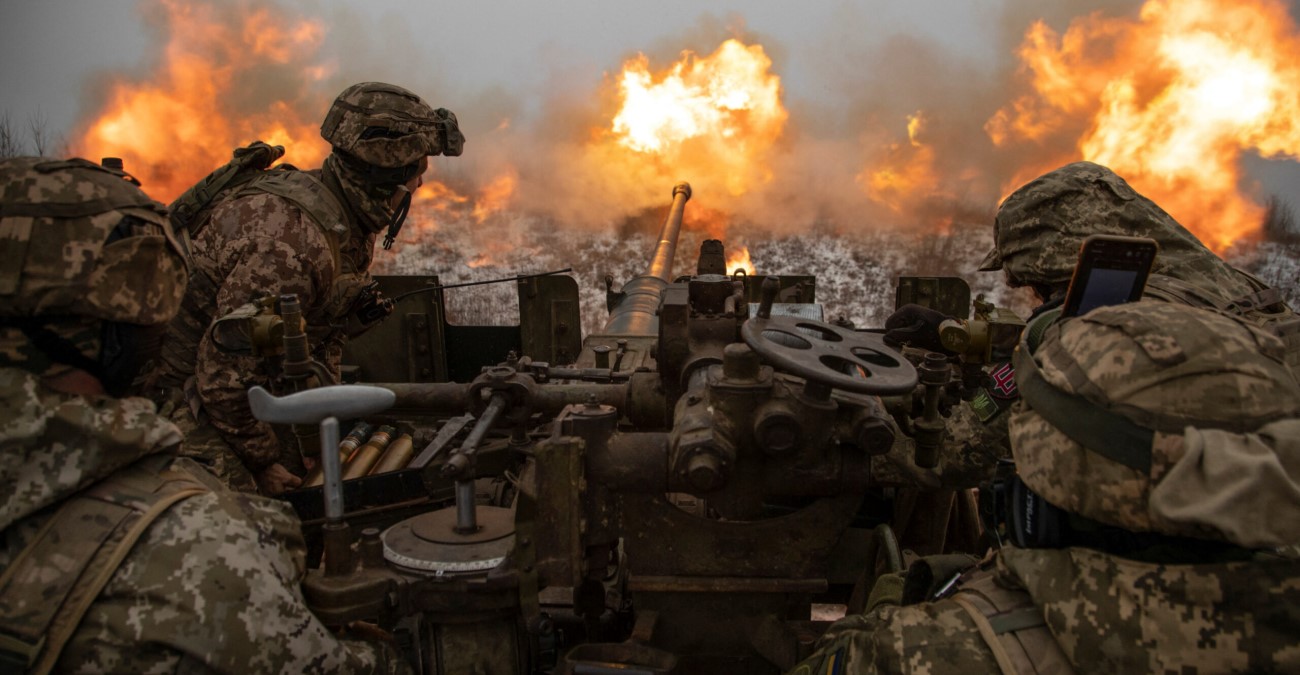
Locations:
{"points": [[670, 495]]}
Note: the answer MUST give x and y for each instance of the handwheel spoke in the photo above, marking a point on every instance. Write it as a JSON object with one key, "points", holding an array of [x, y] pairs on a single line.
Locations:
{"points": [[822, 353]]}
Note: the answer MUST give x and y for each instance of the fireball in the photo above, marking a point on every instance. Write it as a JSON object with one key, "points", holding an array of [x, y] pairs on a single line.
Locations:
{"points": [[907, 171], [712, 120], [184, 119], [1172, 101], [739, 260]]}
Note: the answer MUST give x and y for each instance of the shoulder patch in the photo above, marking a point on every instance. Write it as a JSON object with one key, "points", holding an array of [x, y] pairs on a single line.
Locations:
{"points": [[1004, 382], [984, 406]]}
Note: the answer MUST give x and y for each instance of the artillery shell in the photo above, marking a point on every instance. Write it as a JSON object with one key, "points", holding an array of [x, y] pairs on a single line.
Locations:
{"points": [[347, 446], [366, 456], [396, 457]]}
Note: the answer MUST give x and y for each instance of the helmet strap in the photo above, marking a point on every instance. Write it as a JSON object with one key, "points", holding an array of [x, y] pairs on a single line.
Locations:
{"points": [[399, 217]]}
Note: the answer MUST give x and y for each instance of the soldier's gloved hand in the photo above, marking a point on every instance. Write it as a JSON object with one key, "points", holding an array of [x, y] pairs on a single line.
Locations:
{"points": [[363, 630], [369, 308], [915, 326], [275, 480]]}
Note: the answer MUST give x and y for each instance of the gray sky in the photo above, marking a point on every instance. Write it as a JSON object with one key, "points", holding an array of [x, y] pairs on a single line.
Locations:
{"points": [[850, 71], [51, 48]]}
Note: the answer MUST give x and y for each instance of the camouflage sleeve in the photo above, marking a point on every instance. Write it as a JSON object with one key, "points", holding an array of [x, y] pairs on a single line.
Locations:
{"points": [[1116, 615], [968, 454], [278, 251], [936, 638], [1225, 480], [972, 446], [215, 587]]}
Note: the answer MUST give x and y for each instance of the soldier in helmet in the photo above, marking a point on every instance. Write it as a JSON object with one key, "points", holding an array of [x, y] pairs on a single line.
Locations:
{"points": [[1039, 228], [116, 556], [1037, 234], [309, 233], [1158, 455]]}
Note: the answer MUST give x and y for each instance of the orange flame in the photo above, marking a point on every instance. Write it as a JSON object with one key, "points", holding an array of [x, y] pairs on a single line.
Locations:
{"points": [[435, 200], [711, 119], [437, 196], [907, 171], [1171, 101], [184, 120], [739, 259], [495, 196]]}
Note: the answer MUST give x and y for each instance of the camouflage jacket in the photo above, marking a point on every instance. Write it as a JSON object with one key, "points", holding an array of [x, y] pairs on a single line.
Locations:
{"points": [[1106, 614], [213, 584], [975, 434], [968, 454], [259, 243]]}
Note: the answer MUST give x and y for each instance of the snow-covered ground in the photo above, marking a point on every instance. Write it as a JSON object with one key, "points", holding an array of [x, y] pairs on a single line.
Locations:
{"points": [[856, 273]]}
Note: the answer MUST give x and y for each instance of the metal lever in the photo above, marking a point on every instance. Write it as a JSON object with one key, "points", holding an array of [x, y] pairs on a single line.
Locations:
{"points": [[459, 463], [771, 286], [325, 405], [314, 405]]}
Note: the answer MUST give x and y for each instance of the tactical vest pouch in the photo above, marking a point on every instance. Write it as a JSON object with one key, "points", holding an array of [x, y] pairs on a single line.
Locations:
{"points": [[52, 582], [1012, 627], [189, 211]]}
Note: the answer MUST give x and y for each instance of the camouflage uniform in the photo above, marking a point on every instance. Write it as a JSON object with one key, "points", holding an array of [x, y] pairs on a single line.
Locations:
{"points": [[255, 242], [1190, 432], [213, 584], [1040, 227], [1094, 613], [117, 557], [309, 233], [1037, 233]]}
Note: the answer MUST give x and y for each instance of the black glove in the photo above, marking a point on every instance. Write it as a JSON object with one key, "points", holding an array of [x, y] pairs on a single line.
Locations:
{"points": [[915, 326], [371, 305]]}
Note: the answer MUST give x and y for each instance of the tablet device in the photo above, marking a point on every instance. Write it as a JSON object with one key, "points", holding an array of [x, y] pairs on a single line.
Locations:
{"points": [[1112, 270]]}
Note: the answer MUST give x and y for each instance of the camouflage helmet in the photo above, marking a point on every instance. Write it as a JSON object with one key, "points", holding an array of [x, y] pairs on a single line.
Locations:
{"points": [[81, 245], [79, 240], [1159, 417], [387, 126], [1039, 228]]}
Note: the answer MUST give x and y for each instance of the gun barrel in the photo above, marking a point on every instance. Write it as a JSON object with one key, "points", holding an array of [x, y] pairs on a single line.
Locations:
{"points": [[661, 264], [635, 314]]}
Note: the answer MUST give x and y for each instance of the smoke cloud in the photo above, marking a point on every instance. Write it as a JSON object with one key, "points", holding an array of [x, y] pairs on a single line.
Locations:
{"points": [[892, 116]]}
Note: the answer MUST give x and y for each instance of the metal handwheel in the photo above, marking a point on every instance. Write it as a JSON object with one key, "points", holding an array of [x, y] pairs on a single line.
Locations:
{"points": [[838, 358]]}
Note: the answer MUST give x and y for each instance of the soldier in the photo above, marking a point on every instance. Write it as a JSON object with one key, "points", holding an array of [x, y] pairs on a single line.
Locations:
{"points": [[116, 555], [310, 233], [1039, 229], [1037, 233], [1158, 455]]}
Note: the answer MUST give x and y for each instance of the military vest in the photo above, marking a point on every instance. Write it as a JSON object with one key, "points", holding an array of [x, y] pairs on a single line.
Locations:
{"points": [[190, 211], [311, 195], [1012, 626], [323, 209], [83, 543]]}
